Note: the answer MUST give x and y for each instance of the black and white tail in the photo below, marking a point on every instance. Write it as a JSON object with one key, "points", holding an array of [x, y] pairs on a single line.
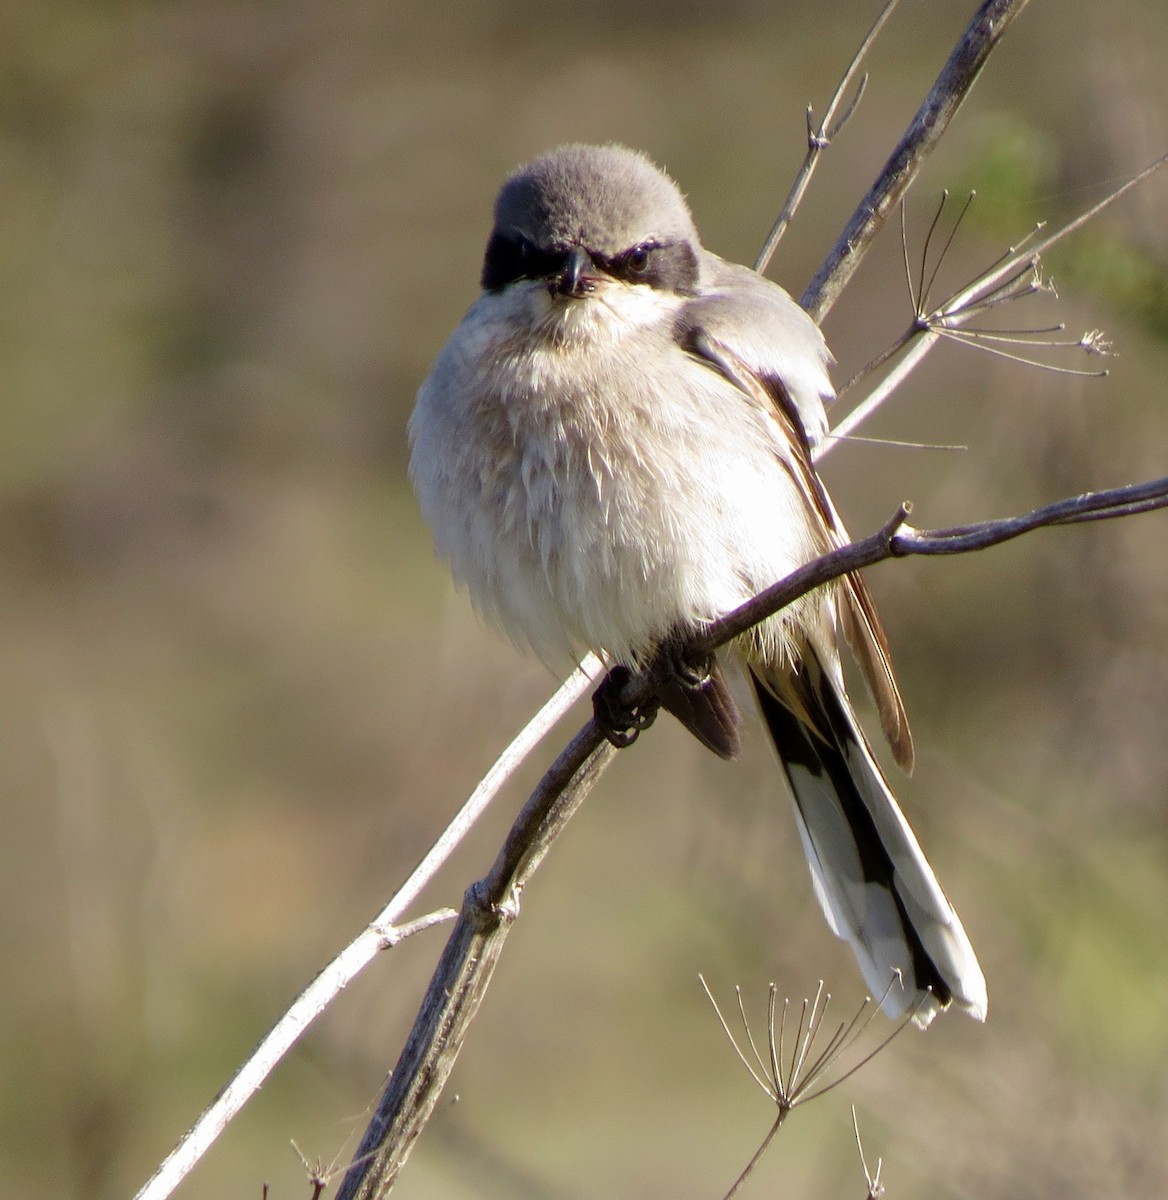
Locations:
{"points": [[876, 887]]}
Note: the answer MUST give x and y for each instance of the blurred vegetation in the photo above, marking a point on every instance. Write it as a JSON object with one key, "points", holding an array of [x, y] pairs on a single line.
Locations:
{"points": [[241, 698]]}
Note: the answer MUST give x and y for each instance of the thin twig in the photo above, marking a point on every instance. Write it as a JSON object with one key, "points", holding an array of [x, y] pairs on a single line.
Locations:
{"points": [[465, 969], [970, 338], [992, 20], [802, 1079], [928, 288], [819, 139], [469, 959], [746, 1029], [872, 1179], [477, 940], [756, 1157], [920, 295], [1014, 274], [734, 1041], [897, 540], [381, 932]]}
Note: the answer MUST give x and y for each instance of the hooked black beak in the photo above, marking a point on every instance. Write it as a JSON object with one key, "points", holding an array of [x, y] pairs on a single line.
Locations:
{"points": [[574, 278]]}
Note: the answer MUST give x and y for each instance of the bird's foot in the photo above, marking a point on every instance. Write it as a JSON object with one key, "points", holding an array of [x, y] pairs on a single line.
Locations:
{"points": [[676, 664], [620, 722]]}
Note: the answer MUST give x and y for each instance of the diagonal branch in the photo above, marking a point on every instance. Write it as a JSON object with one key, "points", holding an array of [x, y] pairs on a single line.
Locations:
{"points": [[464, 972], [381, 933], [1016, 273], [490, 906], [819, 139], [467, 964], [992, 20], [899, 540]]}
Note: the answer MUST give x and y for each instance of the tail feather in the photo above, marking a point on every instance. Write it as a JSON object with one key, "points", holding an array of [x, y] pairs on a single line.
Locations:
{"points": [[872, 880]]}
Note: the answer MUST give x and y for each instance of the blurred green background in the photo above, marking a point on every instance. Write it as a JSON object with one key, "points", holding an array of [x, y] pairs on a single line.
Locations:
{"points": [[240, 698]]}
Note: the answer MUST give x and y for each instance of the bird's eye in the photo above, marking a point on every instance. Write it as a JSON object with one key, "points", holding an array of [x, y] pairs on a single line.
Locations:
{"points": [[637, 260]]}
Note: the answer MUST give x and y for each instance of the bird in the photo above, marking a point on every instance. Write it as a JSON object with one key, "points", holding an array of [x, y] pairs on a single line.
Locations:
{"points": [[613, 449]]}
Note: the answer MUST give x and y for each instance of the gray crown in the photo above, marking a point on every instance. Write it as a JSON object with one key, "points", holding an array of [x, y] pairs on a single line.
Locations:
{"points": [[605, 198]]}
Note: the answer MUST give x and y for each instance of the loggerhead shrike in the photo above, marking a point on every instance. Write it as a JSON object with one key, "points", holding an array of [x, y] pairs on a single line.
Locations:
{"points": [[612, 450]]}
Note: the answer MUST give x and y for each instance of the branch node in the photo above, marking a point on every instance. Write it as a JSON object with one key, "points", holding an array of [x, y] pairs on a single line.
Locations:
{"points": [[812, 133], [486, 912], [896, 523], [390, 934]]}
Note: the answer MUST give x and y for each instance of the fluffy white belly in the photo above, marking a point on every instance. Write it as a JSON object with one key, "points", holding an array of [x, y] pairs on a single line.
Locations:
{"points": [[587, 503]]}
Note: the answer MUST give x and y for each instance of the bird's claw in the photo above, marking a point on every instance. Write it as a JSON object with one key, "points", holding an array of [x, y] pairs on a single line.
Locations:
{"points": [[620, 722]]}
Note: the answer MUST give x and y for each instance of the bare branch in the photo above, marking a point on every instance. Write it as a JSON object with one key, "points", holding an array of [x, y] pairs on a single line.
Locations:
{"points": [[392, 935], [992, 20], [469, 959], [466, 967], [490, 906], [381, 933], [799, 1081], [819, 139], [279, 1040], [872, 1179], [897, 540], [1017, 273], [756, 1157]]}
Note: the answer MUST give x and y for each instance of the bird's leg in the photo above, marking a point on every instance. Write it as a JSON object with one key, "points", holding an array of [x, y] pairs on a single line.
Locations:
{"points": [[620, 721], [676, 662], [690, 686]]}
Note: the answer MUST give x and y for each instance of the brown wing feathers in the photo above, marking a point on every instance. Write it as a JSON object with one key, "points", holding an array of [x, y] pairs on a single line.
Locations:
{"points": [[861, 625]]}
